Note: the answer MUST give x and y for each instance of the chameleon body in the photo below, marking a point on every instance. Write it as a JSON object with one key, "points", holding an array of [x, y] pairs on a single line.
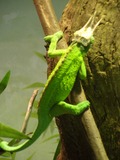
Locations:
{"points": [[60, 83]]}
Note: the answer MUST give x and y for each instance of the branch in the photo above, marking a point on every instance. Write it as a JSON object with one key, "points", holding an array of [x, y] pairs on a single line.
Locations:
{"points": [[28, 112], [50, 25]]}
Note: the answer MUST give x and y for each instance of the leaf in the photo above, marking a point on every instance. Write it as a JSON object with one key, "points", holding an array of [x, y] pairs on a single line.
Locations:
{"points": [[35, 85], [34, 115], [8, 132], [29, 158], [51, 137], [7, 155], [57, 151], [4, 159], [4, 82], [40, 55]]}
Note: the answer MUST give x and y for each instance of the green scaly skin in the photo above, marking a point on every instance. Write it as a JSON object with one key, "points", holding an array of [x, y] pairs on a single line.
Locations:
{"points": [[59, 86]]}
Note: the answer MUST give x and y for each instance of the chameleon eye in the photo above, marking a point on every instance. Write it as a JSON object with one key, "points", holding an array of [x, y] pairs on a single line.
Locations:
{"points": [[84, 41]]}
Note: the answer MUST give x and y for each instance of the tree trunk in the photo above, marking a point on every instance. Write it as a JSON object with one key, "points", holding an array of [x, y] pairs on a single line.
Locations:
{"points": [[102, 86], [76, 141]]}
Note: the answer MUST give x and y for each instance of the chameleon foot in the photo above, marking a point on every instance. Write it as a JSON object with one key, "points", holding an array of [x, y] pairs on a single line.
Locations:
{"points": [[56, 35], [81, 107], [66, 108]]}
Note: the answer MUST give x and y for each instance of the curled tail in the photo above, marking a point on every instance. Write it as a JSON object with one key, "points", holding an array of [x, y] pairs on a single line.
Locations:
{"points": [[40, 129]]}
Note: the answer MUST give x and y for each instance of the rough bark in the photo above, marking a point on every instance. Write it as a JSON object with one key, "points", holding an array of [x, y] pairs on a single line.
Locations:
{"points": [[102, 86]]}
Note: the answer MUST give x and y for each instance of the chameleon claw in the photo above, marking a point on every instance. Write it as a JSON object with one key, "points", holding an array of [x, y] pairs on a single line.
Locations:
{"points": [[57, 35], [82, 106]]}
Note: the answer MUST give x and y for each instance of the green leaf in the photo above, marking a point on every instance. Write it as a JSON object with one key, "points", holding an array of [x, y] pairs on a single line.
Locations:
{"points": [[57, 151], [4, 159], [8, 132], [4, 82], [29, 158], [35, 85], [51, 137], [40, 55], [34, 115], [7, 156]]}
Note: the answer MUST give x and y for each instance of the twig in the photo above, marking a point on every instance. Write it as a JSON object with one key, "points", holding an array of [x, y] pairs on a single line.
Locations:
{"points": [[29, 109]]}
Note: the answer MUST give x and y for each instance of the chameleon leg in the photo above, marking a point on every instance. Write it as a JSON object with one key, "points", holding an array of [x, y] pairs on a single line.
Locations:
{"points": [[82, 71], [56, 36], [53, 39], [66, 108]]}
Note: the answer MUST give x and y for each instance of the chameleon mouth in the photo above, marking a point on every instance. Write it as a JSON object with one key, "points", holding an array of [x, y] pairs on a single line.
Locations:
{"points": [[86, 32]]}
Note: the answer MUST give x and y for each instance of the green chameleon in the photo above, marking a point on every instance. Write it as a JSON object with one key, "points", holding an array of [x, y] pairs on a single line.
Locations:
{"points": [[61, 81]]}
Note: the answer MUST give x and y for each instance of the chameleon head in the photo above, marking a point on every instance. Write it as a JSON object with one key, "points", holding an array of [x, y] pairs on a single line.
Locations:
{"points": [[85, 34]]}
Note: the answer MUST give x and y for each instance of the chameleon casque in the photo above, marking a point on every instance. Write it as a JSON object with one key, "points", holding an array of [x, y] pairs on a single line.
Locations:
{"points": [[61, 81]]}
